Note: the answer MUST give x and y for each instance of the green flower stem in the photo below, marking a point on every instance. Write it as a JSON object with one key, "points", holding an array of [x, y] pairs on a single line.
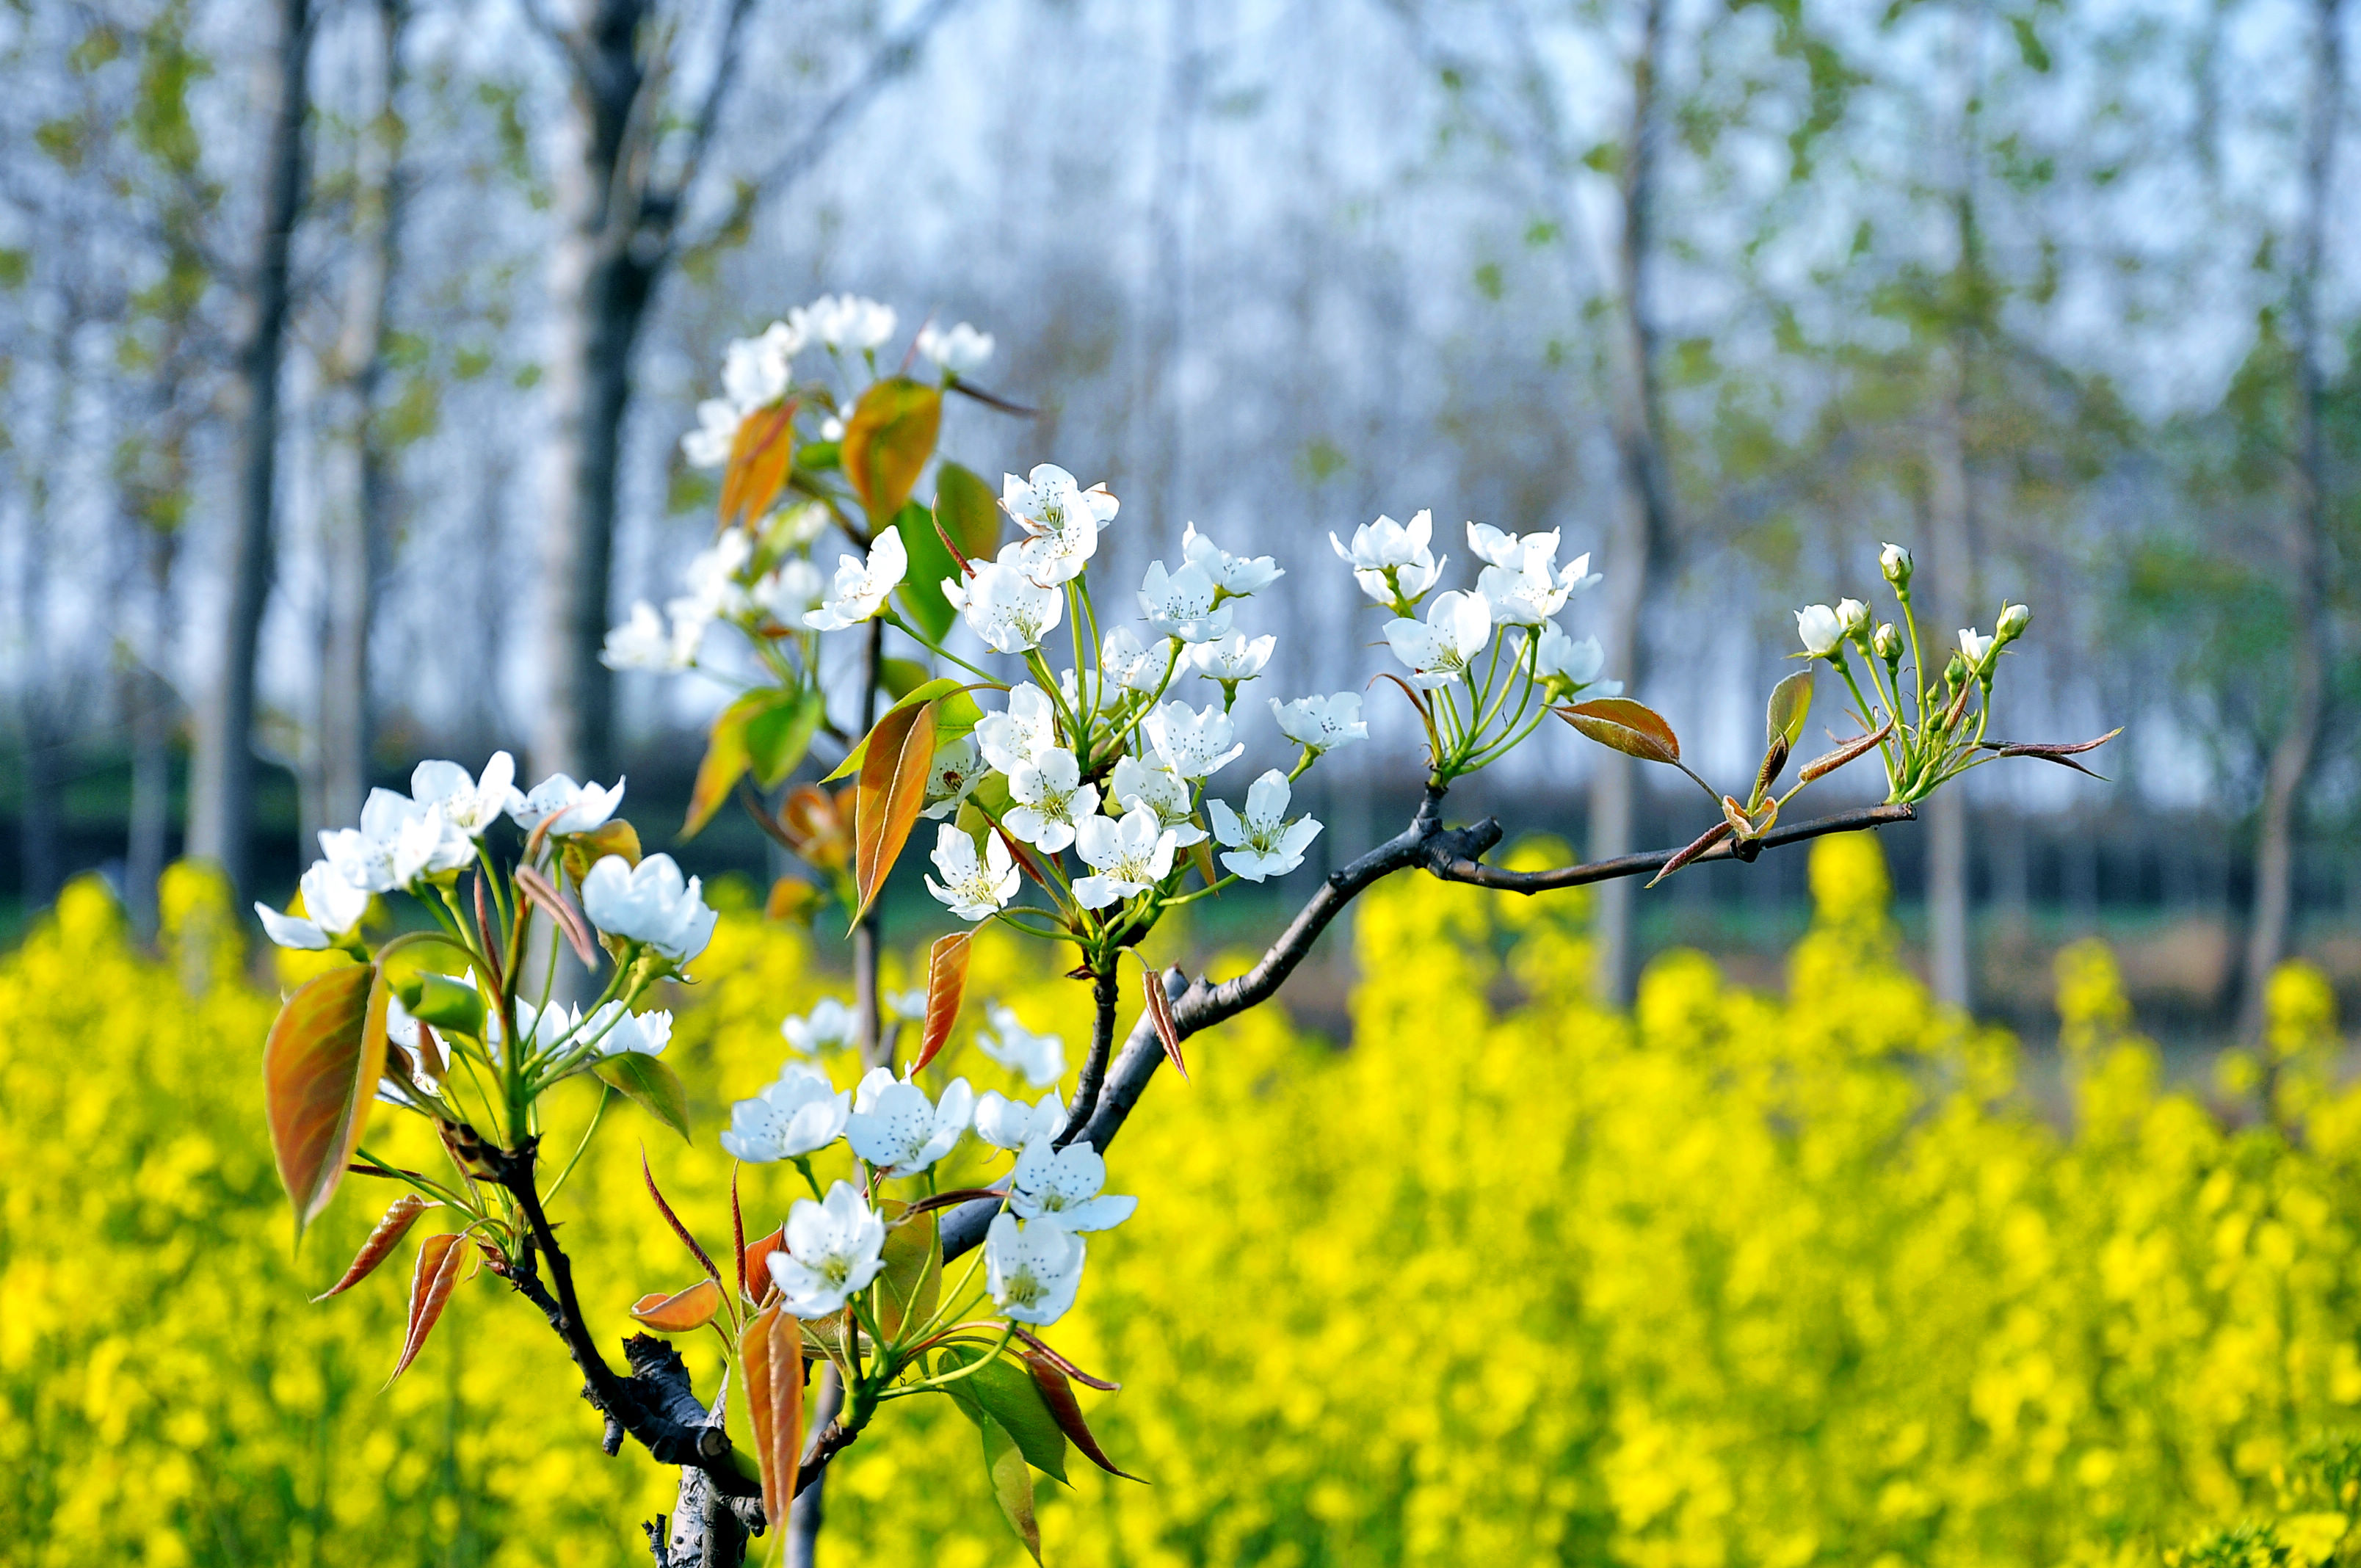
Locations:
{"points": [[606, 1092], [428, 1185]]}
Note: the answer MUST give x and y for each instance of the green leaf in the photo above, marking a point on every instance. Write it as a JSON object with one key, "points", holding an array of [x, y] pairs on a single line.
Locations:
{"points": [[779, 735], [968, 511], [912, 1281], [445, 1002], [957, 714], [1012, 1484], [1005, 1393], [656, 1087], [900, 677], [1791, 702], [921, 592]]}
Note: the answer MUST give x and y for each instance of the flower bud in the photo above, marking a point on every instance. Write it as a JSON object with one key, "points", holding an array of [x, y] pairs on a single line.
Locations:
{"points": [[1957, 672], [1853, 616], [1822, 633], [1894, 562], [1888, 643], [2012, 620]]}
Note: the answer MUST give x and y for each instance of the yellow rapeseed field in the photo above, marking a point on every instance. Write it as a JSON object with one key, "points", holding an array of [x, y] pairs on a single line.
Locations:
{"points": [[1735, 1279]]}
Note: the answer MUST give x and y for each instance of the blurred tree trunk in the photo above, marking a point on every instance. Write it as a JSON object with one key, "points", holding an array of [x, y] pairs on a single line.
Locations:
{"points": [[221, 808], [2307, 546], [1644, 523], [361, 518]]}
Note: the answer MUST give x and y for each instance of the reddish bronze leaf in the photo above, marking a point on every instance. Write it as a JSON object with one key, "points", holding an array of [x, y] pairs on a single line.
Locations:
{"points": [[887, 440], [759, 460], [682, 1311], [1058, 1395], [2059, 752], [1159, 1010], [1628, 727], [1035, 1345], [381, 1242], [946, 984], [1854, 750], [771, 1350], [319, 1068], [673, 1220], [561, 909], [438, 1271], [756, 1264], [893, 789], [1690, 851]]}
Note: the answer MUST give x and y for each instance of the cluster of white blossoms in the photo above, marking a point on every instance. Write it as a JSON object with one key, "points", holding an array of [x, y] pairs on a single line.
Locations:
{"points": [[763, 580], [408, 842], [1034, 1249]]}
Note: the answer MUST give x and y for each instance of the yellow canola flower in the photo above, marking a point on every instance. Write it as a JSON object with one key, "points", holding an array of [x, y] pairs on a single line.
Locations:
{"points": [[1733, 1278]]}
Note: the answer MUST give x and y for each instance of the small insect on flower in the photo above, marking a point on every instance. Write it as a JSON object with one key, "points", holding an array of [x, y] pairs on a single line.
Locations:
{"points": [[955, 770]]}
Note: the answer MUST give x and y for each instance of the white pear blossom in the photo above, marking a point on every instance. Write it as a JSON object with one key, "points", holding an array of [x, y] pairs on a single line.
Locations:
{"points": [[1320, 724], [649, 902], [711, 578], [1386, 546], [1181, 604], [644, 642], [1006, 607], [567, 807], [1821, 631], [896, 1127], [845, 321], [754, 371], [1131, 665], [789, 591], [1975, 646], [829, 1024], [1853, 616], [951, 772], [1140, 783], [1439, 649], [1566, 667], [908, 1005], [332, 907], [1060, 519], [707, 446], [616, 1031], [1239, 574], [1041, 1057], [1194, 744], [1236, 657], [1263, 843], [1497, 548], [1125, 858], [1894, 562], [1063, 1184], [961, 351], [467, 803], [861, 586], [798, 1114], [1530, 586], [1025, 729], [834, 1248], [1050, 798], [2014, 619], [974, 887], [398, 842], [1006, 1123], [1032, 1268]]}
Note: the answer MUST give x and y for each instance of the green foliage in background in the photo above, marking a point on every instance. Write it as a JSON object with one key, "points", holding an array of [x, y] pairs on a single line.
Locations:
{"points": [[1734, 1279]]}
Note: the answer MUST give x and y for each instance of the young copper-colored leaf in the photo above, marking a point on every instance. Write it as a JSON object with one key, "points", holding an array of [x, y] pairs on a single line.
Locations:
{"points": [[956, 713], [1749, 826], [1628, 727], [1159, 1010], [792, 898], [892, 788], [1692, 849], [672, 1220], [649, 1084], [319, 1068], [1012, 1483], [563, 910], [2060, 753], [760, 458], [887, 440], [724, 763], [737, 1230], [1791, 702], [946, 985], [756, 1264], [952, 1199], [771, 1350], [1035, 1346], [1058, 1395], [430, 1281], [399, 1218], [682, 1311], [1854, 750]]}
